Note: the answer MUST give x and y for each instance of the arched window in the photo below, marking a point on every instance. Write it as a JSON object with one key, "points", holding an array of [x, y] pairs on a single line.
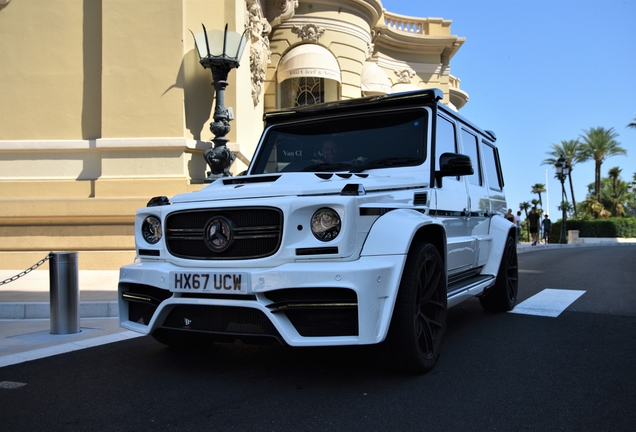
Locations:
{"points": [[307, 74]]}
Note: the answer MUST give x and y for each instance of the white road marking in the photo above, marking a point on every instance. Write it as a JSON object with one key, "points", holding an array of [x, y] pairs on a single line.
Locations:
{"points": [[549, 302], [39, 353]]}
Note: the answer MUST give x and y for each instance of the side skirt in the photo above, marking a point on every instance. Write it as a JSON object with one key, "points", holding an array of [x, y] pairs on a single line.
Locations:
{"points": [[466, 286]]}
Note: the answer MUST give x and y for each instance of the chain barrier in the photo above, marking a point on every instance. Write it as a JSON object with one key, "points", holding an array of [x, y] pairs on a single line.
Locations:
{"points": [[30, 269]]}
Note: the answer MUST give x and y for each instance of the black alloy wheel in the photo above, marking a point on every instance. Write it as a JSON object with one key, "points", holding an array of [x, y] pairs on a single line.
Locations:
{"points": [[502, 297], [418, 324]]}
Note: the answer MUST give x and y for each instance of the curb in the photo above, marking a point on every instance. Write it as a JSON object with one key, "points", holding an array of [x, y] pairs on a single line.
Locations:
{"points": [[42, 310], [526, 247]]}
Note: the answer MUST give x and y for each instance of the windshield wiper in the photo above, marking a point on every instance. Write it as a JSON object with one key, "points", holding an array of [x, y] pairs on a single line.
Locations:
{"points": [[325, 166], [385, 162]]}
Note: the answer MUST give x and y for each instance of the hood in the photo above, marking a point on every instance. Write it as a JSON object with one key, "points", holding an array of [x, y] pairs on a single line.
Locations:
{"points": [[296, 184]]}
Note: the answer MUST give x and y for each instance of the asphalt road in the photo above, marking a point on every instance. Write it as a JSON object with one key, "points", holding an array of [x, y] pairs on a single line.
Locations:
{"points": [[512, 372]]}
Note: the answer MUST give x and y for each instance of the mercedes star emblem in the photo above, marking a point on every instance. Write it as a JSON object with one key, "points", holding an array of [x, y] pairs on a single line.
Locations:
{"points": [[218, 234]]}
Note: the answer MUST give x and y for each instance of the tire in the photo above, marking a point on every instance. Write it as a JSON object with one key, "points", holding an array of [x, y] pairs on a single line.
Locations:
{"points": [[502, 297], [418, 325]]}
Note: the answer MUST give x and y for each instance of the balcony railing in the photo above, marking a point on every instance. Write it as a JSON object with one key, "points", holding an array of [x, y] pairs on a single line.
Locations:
{"points": [[414, 25], [453, 82]]}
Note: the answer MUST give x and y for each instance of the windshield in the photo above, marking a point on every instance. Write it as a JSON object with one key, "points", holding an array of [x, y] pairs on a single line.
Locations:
{"points": [[348, 143]]}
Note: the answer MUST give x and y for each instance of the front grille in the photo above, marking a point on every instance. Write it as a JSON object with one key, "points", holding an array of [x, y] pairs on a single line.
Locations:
{"points": [[228, 320], [318, 312], [257, 233]]}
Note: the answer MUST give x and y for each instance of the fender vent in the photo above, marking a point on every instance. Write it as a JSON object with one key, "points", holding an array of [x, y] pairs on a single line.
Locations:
{"points": [[420, 199]]}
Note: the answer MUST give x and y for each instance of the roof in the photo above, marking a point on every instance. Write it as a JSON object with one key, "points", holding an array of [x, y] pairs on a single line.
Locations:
{"points": [[411, 98]]}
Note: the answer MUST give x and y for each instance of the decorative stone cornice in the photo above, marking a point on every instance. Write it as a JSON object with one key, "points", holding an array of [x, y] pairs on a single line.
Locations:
{"points": [[309, 32]]}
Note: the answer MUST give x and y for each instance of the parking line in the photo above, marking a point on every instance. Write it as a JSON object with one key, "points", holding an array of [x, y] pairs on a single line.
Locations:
{"points": [[549, 302]]}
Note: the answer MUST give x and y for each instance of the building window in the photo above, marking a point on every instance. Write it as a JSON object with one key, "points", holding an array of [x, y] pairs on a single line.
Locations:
{"points": [[307, 91]]}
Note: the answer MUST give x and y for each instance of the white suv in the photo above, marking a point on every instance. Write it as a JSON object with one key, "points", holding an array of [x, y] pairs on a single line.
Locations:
{"points": [[358, 222]]}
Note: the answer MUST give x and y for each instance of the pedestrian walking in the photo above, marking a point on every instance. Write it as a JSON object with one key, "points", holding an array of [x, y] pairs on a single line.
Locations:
{"points": [[546, 224], [533, 221]]}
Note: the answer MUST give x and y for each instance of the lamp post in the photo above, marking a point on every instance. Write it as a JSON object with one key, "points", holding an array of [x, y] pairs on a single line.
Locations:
{"points": [[220, 51], [562, 170]]}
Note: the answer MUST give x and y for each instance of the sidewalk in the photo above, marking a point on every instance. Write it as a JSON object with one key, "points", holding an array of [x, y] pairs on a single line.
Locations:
{"points": [[25, 327]]}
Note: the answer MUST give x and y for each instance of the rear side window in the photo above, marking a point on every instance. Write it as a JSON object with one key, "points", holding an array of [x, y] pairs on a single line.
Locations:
{"points": [[491, 166], [470, 148], [445, 140]]}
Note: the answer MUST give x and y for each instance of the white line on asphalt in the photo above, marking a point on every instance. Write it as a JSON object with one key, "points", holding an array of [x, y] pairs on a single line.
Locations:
{"points": [[549, 302], [35, 354]]}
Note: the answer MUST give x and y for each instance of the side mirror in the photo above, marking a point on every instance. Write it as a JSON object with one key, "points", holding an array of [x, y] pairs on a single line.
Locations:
{"points": [[453, 164]]}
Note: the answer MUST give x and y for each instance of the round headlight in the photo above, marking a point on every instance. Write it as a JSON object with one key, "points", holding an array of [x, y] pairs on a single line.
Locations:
{"points": [[151, 229], [325, 224]]}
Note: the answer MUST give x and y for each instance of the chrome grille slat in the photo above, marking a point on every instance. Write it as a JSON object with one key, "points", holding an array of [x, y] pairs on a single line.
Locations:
{"points": [[257, 233]]}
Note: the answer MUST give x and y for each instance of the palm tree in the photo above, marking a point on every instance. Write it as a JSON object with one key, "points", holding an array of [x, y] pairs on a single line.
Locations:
{"points": [[615, 193], [571, 151], [616, 197], [632, 124], [525, 206], [591, 207], [613, 174], [565, 206], [598, 144], [538, 189]]}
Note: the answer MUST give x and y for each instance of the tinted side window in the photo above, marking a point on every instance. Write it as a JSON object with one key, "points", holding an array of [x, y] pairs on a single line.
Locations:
{"points": [[491, 164], [470, 145], [445, 139]]}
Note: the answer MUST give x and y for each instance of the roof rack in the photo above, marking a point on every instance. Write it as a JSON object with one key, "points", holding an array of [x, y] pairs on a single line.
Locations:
{"points": [[407, 98]]}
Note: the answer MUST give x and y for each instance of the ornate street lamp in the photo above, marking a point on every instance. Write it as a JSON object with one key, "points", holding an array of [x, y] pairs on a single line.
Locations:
{"points": [[562, 170], [220, 51]]}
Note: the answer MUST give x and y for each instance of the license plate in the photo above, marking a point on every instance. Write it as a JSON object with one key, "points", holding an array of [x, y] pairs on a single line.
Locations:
{"points": [[221, 283]]}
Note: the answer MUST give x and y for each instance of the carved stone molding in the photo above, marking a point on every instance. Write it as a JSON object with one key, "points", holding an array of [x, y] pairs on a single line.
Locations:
{"points": [[4, 2], [309, 32], [370, 49], [257, 31], [278, 11], [404, 75]]}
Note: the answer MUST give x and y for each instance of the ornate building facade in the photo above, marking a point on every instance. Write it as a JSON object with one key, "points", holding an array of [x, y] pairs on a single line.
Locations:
{"points": [[105, 104]]}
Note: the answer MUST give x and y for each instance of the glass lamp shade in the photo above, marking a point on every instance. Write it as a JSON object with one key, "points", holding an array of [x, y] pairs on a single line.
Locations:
{"points": [[220, 44]]}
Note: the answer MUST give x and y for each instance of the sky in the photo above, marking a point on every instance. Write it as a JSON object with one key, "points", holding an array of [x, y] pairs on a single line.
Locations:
{"points": [[538, 72]]}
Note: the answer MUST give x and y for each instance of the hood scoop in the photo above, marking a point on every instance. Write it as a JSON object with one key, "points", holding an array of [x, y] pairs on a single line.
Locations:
{"points": [[327, 176], [250, 179]]}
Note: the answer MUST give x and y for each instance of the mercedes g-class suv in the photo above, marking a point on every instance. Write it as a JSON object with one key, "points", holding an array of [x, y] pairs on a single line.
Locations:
{"points": [[357, 222]]}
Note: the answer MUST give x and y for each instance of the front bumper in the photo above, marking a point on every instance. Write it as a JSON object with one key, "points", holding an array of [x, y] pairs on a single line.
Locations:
{"points": [[300, 303]]}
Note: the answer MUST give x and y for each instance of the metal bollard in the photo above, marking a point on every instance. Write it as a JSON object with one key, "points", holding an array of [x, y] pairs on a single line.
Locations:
{"points": [[64, 292]]}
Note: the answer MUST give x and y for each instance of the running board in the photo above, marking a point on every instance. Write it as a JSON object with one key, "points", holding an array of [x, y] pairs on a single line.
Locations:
{"points": [[468, 288]]}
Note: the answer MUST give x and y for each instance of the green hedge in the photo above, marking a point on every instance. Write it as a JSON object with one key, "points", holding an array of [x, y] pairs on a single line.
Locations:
{"points": [[612, 227]]}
